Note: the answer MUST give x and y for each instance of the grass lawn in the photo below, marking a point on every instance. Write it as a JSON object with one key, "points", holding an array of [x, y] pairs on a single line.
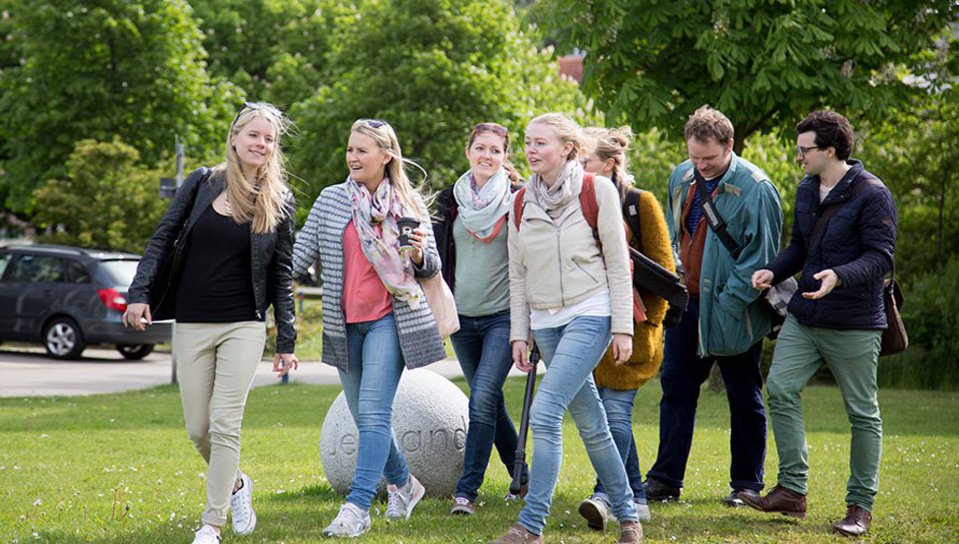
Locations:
{"points": [[119, 469]]}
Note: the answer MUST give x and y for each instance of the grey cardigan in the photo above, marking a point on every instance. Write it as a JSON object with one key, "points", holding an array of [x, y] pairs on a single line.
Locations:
{"points": [[322, 236]]}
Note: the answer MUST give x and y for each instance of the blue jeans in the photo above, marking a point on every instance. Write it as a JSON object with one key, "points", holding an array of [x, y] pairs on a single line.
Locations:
{"points": [[483, 349], [683, 374], [619, 412], [369, 388], [571, 352]]}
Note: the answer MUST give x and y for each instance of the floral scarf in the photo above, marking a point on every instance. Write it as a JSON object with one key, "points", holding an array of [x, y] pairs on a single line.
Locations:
{"points": [[381, 245], [483, 210]]}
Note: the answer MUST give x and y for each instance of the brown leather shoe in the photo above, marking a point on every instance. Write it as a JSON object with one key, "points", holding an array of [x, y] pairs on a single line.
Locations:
{"points": [[779, 499], [518, 534], [856, 522], [630, 532]]}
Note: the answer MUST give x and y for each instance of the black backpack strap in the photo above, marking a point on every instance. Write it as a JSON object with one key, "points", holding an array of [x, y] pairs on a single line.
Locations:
{"points": [[714, 219], [631, 213]]}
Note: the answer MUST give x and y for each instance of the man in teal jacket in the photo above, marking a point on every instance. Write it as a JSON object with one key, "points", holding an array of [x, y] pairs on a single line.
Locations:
{"points": [[725, 321]]}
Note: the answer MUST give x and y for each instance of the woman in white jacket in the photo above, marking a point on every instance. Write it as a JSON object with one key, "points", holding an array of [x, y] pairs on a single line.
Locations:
{"points": [[573, 289]]}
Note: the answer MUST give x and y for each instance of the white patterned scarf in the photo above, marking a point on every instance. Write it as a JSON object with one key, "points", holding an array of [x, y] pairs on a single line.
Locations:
{"points": [[483, 210], [381, 245]]}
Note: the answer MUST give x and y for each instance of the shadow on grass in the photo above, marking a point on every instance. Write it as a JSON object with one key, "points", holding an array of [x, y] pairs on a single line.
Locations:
{"points": [[322, 493]]}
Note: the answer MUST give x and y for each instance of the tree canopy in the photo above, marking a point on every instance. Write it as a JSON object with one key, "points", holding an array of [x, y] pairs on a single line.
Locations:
{"points": [[105, 199], [95, 70], [432, 68], [765, 63]]}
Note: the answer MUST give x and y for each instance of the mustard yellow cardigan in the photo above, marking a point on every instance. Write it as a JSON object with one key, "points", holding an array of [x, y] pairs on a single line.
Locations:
{"points": [[647, 336]]}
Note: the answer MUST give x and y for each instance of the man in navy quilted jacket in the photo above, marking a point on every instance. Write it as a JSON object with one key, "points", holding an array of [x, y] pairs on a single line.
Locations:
{"points": [[836, 316]]}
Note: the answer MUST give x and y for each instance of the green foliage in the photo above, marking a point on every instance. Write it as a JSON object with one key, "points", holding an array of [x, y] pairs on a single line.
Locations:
{"points": [[95, 70], [273, 49], [763, 62], [913, 149], [932, 322], [432, 68], [105, 200]]}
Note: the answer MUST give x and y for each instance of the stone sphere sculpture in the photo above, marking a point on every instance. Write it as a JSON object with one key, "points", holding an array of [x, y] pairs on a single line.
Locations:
{"points": [[430, 417]]}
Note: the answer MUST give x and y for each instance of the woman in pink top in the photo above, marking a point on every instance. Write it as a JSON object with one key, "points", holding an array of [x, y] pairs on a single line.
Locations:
{"points": [[375, 316]]}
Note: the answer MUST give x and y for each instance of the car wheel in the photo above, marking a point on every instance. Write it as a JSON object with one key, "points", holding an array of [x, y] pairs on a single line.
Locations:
{"points": [[63, 339], [135, 352]]}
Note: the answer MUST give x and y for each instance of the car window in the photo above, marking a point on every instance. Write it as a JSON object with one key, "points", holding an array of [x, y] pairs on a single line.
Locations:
{"points": [[37, 269], [122, 272], [77, 273], [5, 259]]}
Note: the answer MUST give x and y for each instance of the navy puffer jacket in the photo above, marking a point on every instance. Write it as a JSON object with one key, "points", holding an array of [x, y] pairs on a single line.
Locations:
{"points": [[857, 243]]}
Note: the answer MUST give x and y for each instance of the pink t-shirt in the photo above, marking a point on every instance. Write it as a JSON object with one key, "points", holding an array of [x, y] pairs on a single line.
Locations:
{"points": [[365, 298]]}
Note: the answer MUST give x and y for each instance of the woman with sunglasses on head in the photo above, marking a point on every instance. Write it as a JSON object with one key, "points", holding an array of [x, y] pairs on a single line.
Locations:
{"points": [[605, 154], [471, 237], [221, 256], [376, 319], [570, 286]]}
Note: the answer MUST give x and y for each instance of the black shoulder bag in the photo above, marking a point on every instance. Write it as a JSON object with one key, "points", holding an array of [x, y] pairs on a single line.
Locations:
{"points": [[648, 275]]}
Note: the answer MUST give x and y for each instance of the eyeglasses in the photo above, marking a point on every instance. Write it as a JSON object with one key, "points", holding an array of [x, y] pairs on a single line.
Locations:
{"points": [[801, 151]]}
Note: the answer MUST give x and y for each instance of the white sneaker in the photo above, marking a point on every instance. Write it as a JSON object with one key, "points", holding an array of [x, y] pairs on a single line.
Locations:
{"points": [[400, 502], [206, 535], [596, 512], [241, 506], [642, 511], [352, 521]]}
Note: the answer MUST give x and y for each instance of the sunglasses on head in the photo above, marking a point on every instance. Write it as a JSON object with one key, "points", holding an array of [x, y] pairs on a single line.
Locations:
{"points": [[253, 106], [495, 128], [374, 123], [246, 106]]}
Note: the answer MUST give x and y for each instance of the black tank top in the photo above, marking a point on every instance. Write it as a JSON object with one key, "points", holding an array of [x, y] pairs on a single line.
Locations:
{"points": [[217, 281]]}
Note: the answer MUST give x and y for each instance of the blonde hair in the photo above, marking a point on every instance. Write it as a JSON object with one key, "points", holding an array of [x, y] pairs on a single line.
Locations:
{"points": [[611, 143], [385, 137], [566, 130], [260, 201]]}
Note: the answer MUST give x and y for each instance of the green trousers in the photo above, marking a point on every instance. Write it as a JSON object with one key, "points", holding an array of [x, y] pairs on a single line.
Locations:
{"points": [[853, 356]]}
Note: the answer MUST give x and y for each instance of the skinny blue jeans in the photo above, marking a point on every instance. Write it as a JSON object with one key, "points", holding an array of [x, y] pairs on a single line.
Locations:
{"points": [[618, 404], [483, 350], [369, 388], [570, 353]]}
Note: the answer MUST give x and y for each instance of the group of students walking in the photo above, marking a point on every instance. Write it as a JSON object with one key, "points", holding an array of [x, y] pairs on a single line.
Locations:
{"points": [[545, 263]]}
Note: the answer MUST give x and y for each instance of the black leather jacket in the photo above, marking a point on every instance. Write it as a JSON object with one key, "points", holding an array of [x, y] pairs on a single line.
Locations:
{"points": [[272, 258]]}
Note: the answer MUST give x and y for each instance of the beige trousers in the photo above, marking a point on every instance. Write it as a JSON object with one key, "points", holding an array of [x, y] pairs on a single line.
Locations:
{"points": [[215, 366]]}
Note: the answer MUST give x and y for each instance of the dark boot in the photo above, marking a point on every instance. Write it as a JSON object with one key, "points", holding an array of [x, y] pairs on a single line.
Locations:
{"points": [[856, 522], [733, 501], [779, 499], [658, 490]]}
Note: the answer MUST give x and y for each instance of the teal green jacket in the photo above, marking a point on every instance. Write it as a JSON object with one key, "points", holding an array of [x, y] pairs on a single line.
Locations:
{"points": [[732, 317]]}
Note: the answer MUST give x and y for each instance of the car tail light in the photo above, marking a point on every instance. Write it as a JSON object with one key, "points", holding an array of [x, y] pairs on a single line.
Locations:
{"points": [[111, 298]]}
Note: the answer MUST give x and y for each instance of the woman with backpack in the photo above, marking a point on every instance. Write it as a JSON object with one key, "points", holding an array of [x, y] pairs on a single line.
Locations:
{"points": [[571, 286], [471, 237], [606, 155]]}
